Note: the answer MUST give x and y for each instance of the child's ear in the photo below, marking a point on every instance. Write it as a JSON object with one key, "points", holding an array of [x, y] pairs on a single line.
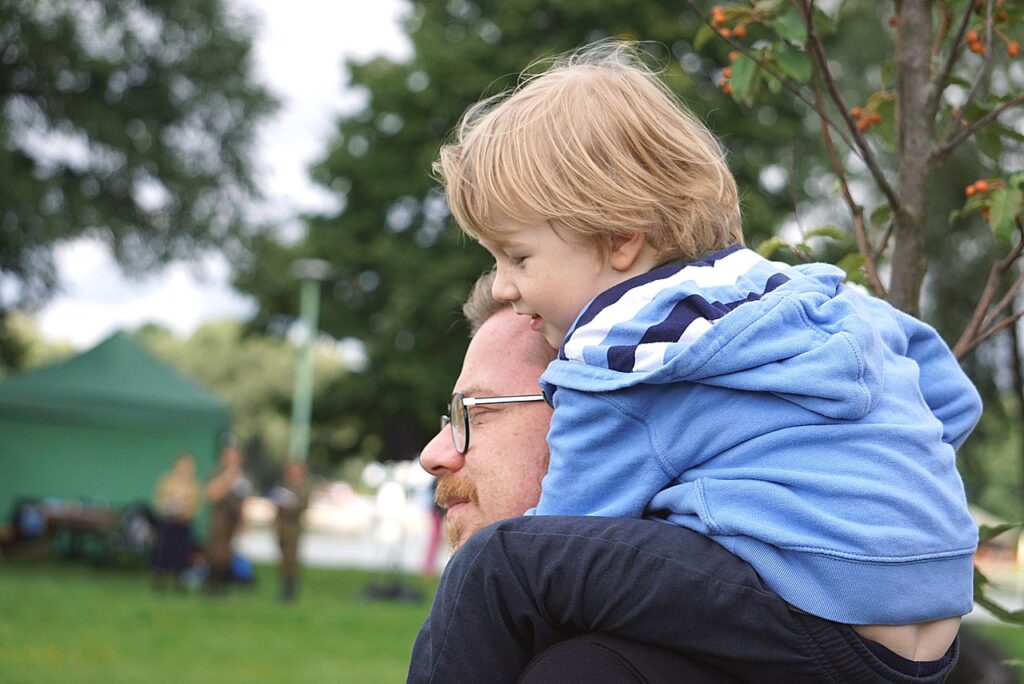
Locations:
{"points": [[625, 250]]}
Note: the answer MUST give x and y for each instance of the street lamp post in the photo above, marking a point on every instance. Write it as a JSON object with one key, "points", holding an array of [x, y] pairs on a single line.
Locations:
{"points": [[309, 272]]}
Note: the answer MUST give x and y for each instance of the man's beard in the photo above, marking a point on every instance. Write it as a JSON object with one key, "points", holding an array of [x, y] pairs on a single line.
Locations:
{"points": [[449, 491]]}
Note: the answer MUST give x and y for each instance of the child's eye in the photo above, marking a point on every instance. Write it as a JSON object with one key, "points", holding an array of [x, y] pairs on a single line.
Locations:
{"points": [[516, 260]]}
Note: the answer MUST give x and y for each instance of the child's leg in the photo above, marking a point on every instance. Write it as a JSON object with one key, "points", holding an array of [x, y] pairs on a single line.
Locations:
{"points": [[521, 585]]}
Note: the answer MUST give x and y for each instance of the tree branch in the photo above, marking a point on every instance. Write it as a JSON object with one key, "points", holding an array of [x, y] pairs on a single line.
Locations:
{"points": [[971, 337], [1004, 302], [814, 42], [1006, 322], [863, 245], [787, 83], [944, 151], [884, 242], [940, 83], [959, 113]]}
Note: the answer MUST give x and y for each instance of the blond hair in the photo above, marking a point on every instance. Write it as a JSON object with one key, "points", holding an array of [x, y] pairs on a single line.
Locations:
{"points": [[597, 146]]}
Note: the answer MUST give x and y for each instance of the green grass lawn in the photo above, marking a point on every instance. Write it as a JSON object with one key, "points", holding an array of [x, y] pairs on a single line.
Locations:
{"points": [[72, 623]]}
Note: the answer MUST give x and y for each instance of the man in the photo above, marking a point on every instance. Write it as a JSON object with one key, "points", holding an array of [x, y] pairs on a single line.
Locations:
{"points": [[500, 476], [612, 580], [291, 497], [505, 358], [225, 492]]}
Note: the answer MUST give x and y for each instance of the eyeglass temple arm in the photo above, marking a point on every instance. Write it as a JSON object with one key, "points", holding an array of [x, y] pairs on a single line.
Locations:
{"points": [[482, 401]]}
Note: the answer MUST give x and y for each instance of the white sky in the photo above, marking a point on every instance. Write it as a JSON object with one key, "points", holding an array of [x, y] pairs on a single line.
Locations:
{"points": [[299, 50]]}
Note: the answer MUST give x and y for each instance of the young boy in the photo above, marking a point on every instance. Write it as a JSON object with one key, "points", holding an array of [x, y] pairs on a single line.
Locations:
{"points": [[808, 429]]}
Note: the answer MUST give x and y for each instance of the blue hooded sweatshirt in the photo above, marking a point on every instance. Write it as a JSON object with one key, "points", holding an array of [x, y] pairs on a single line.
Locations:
{"points": [[807, 428]]}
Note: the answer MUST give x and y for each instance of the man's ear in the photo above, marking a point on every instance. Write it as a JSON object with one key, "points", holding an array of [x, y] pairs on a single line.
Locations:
{"points": [[625, 250]]}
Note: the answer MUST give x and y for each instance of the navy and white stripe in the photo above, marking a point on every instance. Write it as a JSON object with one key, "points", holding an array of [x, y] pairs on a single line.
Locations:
{"points": [[636, 325]]}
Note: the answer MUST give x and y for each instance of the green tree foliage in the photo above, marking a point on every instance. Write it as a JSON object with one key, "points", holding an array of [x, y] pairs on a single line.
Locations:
{"points": [[33, 350], [403, 268], [128, 121], [254, 374]]}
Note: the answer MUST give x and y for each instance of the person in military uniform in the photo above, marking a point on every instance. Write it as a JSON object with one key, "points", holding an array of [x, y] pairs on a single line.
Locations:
{"points": [[226, 492], [291, 497]]}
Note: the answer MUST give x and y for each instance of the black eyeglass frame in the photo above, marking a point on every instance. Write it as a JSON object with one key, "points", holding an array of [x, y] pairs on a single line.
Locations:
{"points": [[458, 398]]}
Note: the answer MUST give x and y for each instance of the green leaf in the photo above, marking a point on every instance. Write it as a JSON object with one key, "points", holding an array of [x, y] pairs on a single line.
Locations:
{"points": [[766, 7], [989, 532], [889, 72], [770, 246], [1004, 614], [834, 232], [1016, 180], [790, 26], [1012, 199], [794, 64], [853, 265], [886, 130], [705, 34], [990, 143], [1007, 132], [743, 70], [823, 22], [881, 215]]}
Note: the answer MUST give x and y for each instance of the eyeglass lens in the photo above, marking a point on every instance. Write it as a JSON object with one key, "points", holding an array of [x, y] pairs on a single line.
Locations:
{"points": [[460, 426]]}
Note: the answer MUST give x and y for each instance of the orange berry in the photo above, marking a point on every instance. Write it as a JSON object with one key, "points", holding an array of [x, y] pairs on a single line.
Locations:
{"points": [[856, 112], [1013, 48], [972, 36], [971, 190], [727, 72], [875, 118], [739, 32], [977, 48], [894, 20], [1002, 16], [863, 124], [734, 55], [725, 31], [727, 88], [981, 186]]}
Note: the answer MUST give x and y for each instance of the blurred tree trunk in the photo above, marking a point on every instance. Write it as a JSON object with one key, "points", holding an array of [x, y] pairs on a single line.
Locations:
{"points": [[915, 131]]}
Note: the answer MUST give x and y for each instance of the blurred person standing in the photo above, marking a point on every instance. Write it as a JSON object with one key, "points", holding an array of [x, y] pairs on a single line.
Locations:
{"points": [[292, 498], [177, 498], [225, 492]]}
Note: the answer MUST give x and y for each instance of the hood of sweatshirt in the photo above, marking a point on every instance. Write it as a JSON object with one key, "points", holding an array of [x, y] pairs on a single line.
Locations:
{"points": [[734, 320]]}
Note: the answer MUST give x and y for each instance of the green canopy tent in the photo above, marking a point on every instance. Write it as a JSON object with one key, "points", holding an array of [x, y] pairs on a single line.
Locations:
{"points": [[102, 426]]}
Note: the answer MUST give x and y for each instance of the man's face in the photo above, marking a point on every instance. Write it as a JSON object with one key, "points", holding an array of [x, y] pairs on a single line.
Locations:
{"points": [[499, 476]]}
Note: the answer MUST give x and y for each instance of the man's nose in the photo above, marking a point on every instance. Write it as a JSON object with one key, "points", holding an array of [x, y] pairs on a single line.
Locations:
{"points": [[439, 457], [503, 289]]}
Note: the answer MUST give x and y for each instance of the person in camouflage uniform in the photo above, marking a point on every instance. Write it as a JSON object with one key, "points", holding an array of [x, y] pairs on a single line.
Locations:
{"points": [[226, 492], [292, 498]]}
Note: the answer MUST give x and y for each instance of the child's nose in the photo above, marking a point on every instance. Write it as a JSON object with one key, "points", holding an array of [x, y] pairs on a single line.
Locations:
{"points": [[503, 289]]}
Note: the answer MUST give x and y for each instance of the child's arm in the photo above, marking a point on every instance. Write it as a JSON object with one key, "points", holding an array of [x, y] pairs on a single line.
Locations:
{"points": [[946, 389], [604, 459]]}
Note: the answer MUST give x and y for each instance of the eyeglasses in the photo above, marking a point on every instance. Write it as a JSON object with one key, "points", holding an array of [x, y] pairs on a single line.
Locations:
{"points": [[458, 414]]}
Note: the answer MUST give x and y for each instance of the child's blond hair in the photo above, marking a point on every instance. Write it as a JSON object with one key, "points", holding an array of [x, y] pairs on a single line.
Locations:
{"points": [[597, 146]]}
